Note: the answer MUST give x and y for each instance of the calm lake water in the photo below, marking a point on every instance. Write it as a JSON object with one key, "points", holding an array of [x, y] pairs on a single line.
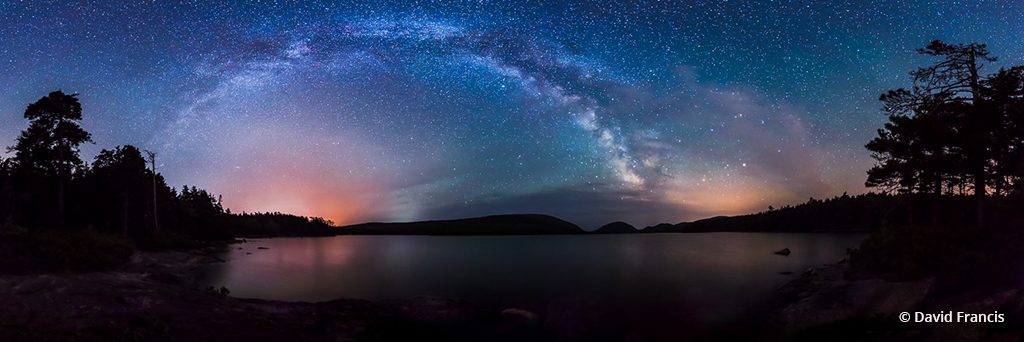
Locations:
{"points": [[695, 279]]}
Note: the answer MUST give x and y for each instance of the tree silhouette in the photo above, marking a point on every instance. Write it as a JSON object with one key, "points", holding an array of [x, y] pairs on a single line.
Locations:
{"points": [[952, 128], [953, 80], [118, 181], [1006, 91], [895, 148], [151, 156], [117, 193], [49, 146], [7, 198]]}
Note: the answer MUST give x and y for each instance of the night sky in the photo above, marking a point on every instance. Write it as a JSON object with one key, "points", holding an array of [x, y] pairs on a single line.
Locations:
{"points": [[646, 112]]}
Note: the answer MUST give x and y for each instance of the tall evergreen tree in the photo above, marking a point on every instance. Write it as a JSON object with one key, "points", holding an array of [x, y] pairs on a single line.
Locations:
{"points": [[956, 78], [1005, 91], [118, 181], [943, 128], [49, 147]]}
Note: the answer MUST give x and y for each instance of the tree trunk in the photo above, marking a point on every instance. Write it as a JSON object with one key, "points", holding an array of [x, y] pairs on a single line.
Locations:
{"points": [[124, 214], [979, 196], [979, 134], [60, 188], [936, 201], [911, 216], [156, 219]]}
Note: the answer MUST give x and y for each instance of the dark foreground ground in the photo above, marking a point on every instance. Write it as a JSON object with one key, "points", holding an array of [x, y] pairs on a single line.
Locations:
{"points": [[155, 297], [825, 304]]}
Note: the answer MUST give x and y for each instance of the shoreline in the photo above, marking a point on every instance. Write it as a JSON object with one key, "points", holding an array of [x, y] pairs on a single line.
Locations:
{"points": [[824, 304], [157, 296], [586, 233]]}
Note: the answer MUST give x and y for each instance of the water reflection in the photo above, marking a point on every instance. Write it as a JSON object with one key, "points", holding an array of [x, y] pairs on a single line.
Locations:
{"points": [[696, 278]]}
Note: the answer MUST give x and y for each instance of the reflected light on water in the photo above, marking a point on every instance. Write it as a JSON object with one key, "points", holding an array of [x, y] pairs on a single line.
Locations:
{"points": [[671, 279]]}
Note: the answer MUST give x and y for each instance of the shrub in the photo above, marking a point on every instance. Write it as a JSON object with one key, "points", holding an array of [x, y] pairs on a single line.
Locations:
{"points": [[61, 251], [952, 253], [165, 241]]}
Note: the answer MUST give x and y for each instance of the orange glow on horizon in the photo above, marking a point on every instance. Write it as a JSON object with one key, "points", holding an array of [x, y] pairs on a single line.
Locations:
{"points": [[709, 197], [280, 168]]}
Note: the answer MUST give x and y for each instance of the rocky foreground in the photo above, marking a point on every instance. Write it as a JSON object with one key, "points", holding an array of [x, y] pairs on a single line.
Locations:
{"points": [[157, 297], [824, 304]]}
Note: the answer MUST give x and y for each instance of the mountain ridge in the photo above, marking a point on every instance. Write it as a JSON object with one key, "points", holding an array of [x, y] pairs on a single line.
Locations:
{"points": [[510, 224]]}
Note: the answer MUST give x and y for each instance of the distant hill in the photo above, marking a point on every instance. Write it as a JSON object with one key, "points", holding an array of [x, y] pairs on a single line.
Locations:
{"points": [[661, 228], [617, 227], [861, 213], [488, 225]]}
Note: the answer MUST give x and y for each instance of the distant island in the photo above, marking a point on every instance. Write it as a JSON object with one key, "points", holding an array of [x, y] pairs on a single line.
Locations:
{"points": [[617, 227], [861, 213], [489, 225]]}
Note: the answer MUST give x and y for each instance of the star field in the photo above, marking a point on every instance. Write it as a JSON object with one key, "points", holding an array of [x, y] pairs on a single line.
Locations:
{"points": [[649, 111]]}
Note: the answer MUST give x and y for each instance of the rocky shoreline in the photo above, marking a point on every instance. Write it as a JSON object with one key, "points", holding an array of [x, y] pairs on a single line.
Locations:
{"points": [[157, 297], [823, 303]]}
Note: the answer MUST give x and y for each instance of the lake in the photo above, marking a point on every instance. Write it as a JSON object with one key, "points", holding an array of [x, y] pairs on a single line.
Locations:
{"points": [[677, 281]]}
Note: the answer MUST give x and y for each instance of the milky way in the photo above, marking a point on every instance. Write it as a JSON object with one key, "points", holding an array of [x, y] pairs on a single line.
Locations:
{"points": [[597, 111]]}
